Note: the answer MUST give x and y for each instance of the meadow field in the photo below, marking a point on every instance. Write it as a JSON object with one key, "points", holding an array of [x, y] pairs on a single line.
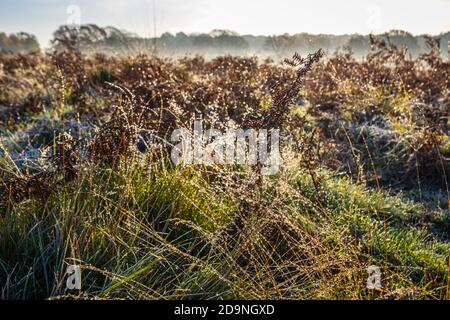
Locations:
{"points": [[87, 176]]}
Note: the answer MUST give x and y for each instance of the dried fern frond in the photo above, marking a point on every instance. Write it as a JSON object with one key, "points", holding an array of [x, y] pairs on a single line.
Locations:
{"points": [[282, 100]]}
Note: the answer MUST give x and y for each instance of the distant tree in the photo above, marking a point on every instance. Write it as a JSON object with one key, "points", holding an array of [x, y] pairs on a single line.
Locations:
{"points": [[445, 43], [73, 37], [167, 36], [230, 42], [3, 41], [115, 37], [167, 40], [401, 38], [281, 45], [360, 45], [182, 42], [203, 41], [30, 42], [181, 36], [19, 42]]}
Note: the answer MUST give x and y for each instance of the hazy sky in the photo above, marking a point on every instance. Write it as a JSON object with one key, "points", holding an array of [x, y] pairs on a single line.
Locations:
{"points": [[42, 17]]}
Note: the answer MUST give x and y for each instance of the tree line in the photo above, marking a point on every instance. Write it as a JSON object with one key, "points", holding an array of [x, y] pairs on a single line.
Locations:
{"points": [[218, 42], [19, 42]]}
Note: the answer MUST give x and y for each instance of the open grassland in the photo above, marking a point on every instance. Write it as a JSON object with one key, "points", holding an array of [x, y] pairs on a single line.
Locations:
{"points": [[86, 177]]}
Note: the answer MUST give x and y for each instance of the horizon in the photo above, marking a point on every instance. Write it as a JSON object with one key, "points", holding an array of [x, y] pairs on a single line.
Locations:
{"points": [[150, 18]]}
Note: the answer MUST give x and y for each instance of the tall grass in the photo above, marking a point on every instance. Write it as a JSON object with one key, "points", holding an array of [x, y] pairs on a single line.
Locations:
{"points": [[363, 181]]}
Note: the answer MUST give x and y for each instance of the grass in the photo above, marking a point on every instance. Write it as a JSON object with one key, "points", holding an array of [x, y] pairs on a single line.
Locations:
{"points": [[364, 180], [145, 231]]}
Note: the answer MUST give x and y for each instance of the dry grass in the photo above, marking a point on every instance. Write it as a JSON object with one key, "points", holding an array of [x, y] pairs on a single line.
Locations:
{"points": [[364, 180]]}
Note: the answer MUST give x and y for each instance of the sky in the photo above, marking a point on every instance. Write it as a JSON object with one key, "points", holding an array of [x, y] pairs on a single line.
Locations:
{"points": [[259, 17]]}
